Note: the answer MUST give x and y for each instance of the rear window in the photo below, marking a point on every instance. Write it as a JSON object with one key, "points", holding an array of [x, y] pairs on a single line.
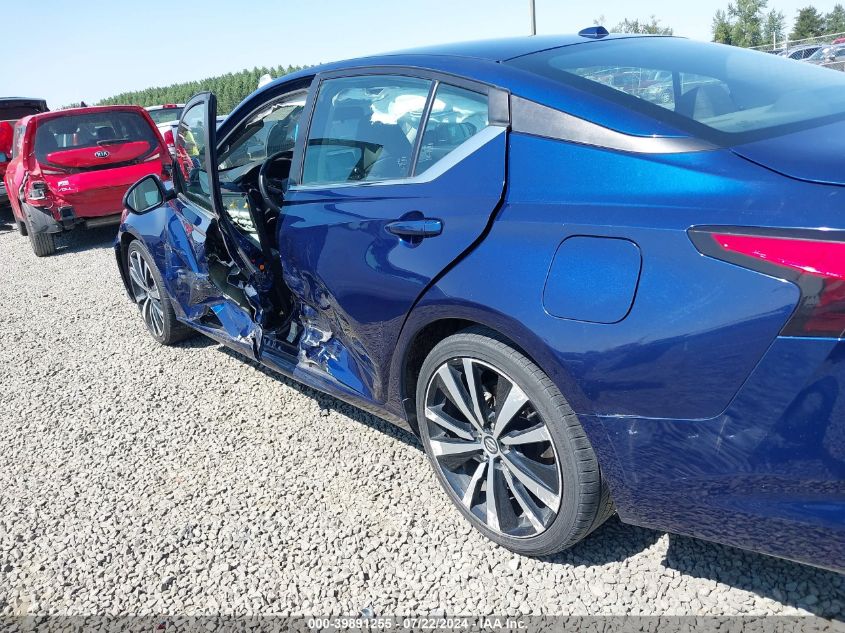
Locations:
{"points": [[164, 115], [91, 130], [15, 111], [724, 94]]}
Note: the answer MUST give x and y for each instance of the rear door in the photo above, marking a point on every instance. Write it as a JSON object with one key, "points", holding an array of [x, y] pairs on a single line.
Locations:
{"points": [[90, 159], [401, 173]]}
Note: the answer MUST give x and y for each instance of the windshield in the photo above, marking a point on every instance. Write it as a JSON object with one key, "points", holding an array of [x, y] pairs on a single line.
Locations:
{"points": [[164, 115], [101, 129], [725, 94]]}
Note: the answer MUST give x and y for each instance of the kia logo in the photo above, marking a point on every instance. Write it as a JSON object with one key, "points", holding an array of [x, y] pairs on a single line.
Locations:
{"points": [[101, 154]]}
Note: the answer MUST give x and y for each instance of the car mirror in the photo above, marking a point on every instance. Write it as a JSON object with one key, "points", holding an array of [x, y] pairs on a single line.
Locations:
{"points": [[147, 194]]}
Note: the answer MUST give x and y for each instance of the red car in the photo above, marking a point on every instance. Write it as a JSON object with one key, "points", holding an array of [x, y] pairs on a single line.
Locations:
{"points": [[72, 167]]}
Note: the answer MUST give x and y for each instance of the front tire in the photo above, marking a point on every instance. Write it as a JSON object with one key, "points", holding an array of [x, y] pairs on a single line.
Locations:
{"points": [[507, 448], [150, 294]]}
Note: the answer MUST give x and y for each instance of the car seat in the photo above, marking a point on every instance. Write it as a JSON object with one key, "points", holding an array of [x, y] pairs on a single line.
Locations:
{"points": [[389, 151], [105, 133], [704, 102], [45, 142]]}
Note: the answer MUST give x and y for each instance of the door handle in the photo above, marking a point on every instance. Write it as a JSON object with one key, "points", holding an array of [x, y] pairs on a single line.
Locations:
{"points": [[416, 228]]}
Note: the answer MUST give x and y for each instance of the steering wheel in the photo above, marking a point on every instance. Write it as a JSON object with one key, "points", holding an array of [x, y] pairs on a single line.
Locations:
{"points": [[272, 176]]}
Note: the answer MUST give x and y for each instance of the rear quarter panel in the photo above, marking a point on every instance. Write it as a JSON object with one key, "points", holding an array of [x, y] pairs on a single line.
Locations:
{"points": [[694, 432], [697, 326]]}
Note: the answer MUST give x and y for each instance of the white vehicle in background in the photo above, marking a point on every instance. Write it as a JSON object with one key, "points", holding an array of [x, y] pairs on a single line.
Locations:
{"points": [[166, 118]]}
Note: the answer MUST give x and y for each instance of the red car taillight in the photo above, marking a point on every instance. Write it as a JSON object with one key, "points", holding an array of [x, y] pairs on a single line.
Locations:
{"points": [[37, 191], [168, 138], [811, 259]]}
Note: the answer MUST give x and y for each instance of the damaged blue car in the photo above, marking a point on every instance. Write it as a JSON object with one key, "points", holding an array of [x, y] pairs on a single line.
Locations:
{"points": [[593, 273]]}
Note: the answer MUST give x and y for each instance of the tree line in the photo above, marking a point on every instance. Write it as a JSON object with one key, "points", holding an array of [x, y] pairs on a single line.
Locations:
{"points": [[651, 26], [230, 89], [748, 23]]}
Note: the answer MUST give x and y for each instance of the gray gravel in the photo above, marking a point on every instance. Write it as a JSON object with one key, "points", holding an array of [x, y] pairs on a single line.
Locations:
{"points": [[139, 479]]}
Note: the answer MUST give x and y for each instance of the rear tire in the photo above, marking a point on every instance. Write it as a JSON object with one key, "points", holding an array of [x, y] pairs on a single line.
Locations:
{"points": [[150, 294], [43, 244], [548, 492]]}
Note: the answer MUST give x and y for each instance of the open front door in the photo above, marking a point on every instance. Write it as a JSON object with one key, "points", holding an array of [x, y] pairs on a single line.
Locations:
{"points": [[205, 270]]}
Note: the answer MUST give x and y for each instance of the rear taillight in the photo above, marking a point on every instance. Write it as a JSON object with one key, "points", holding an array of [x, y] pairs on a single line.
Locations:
{"points": [[168, 138], [813, 260], [37, 191]]}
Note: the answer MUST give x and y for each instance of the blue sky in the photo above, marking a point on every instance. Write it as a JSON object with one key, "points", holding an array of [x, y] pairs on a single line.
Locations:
{"points": [[87, 50]]}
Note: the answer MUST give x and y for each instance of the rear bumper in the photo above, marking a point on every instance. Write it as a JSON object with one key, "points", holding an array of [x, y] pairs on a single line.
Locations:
{"points": [[767, 475], [65, 218]]}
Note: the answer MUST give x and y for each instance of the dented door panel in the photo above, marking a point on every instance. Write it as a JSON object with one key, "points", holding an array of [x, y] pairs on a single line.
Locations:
{"points": [[355, 280], [198, 300]]}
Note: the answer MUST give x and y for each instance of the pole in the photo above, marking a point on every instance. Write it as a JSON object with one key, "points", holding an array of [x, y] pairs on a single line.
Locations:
{"points": [[533, 14]]}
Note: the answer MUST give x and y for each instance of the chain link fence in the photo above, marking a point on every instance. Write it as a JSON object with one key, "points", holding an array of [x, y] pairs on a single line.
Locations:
{"points": [[825, 50]]}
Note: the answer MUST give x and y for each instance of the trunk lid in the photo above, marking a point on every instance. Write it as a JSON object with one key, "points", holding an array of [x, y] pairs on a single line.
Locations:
{"points": [[813, 155], [98, 192]]}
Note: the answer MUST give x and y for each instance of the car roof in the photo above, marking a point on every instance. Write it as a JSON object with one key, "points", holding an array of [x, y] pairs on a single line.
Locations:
{"points": [[503, 49], [478, 60], [21, 99], [55, 114], [485, 51]]}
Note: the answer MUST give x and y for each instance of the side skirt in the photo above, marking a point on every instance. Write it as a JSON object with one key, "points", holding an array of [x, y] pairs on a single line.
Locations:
{"points": [[286, 364]]}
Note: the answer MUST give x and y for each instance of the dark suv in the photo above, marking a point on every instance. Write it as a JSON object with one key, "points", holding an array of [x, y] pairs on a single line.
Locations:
{"points": [[12, 109]]}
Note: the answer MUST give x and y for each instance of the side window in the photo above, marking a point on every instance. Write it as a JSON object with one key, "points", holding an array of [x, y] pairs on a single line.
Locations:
{"points": [[272, 130], [364, 129], [190, 156], [456, 115]]}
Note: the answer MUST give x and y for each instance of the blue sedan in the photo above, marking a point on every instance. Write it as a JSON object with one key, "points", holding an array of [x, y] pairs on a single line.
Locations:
{"points": [[592, 273]]}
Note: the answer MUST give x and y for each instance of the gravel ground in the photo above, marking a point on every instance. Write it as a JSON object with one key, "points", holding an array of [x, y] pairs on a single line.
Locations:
{"points": [[139, 479]]}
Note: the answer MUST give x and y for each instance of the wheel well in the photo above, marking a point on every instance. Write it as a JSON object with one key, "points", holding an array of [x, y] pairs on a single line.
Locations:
{"points": [[419, 349], [125, 240]]}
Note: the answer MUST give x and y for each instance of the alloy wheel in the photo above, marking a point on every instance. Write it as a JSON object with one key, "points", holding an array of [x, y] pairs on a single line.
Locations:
{"points": [[147, 293], [492, 447]]}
